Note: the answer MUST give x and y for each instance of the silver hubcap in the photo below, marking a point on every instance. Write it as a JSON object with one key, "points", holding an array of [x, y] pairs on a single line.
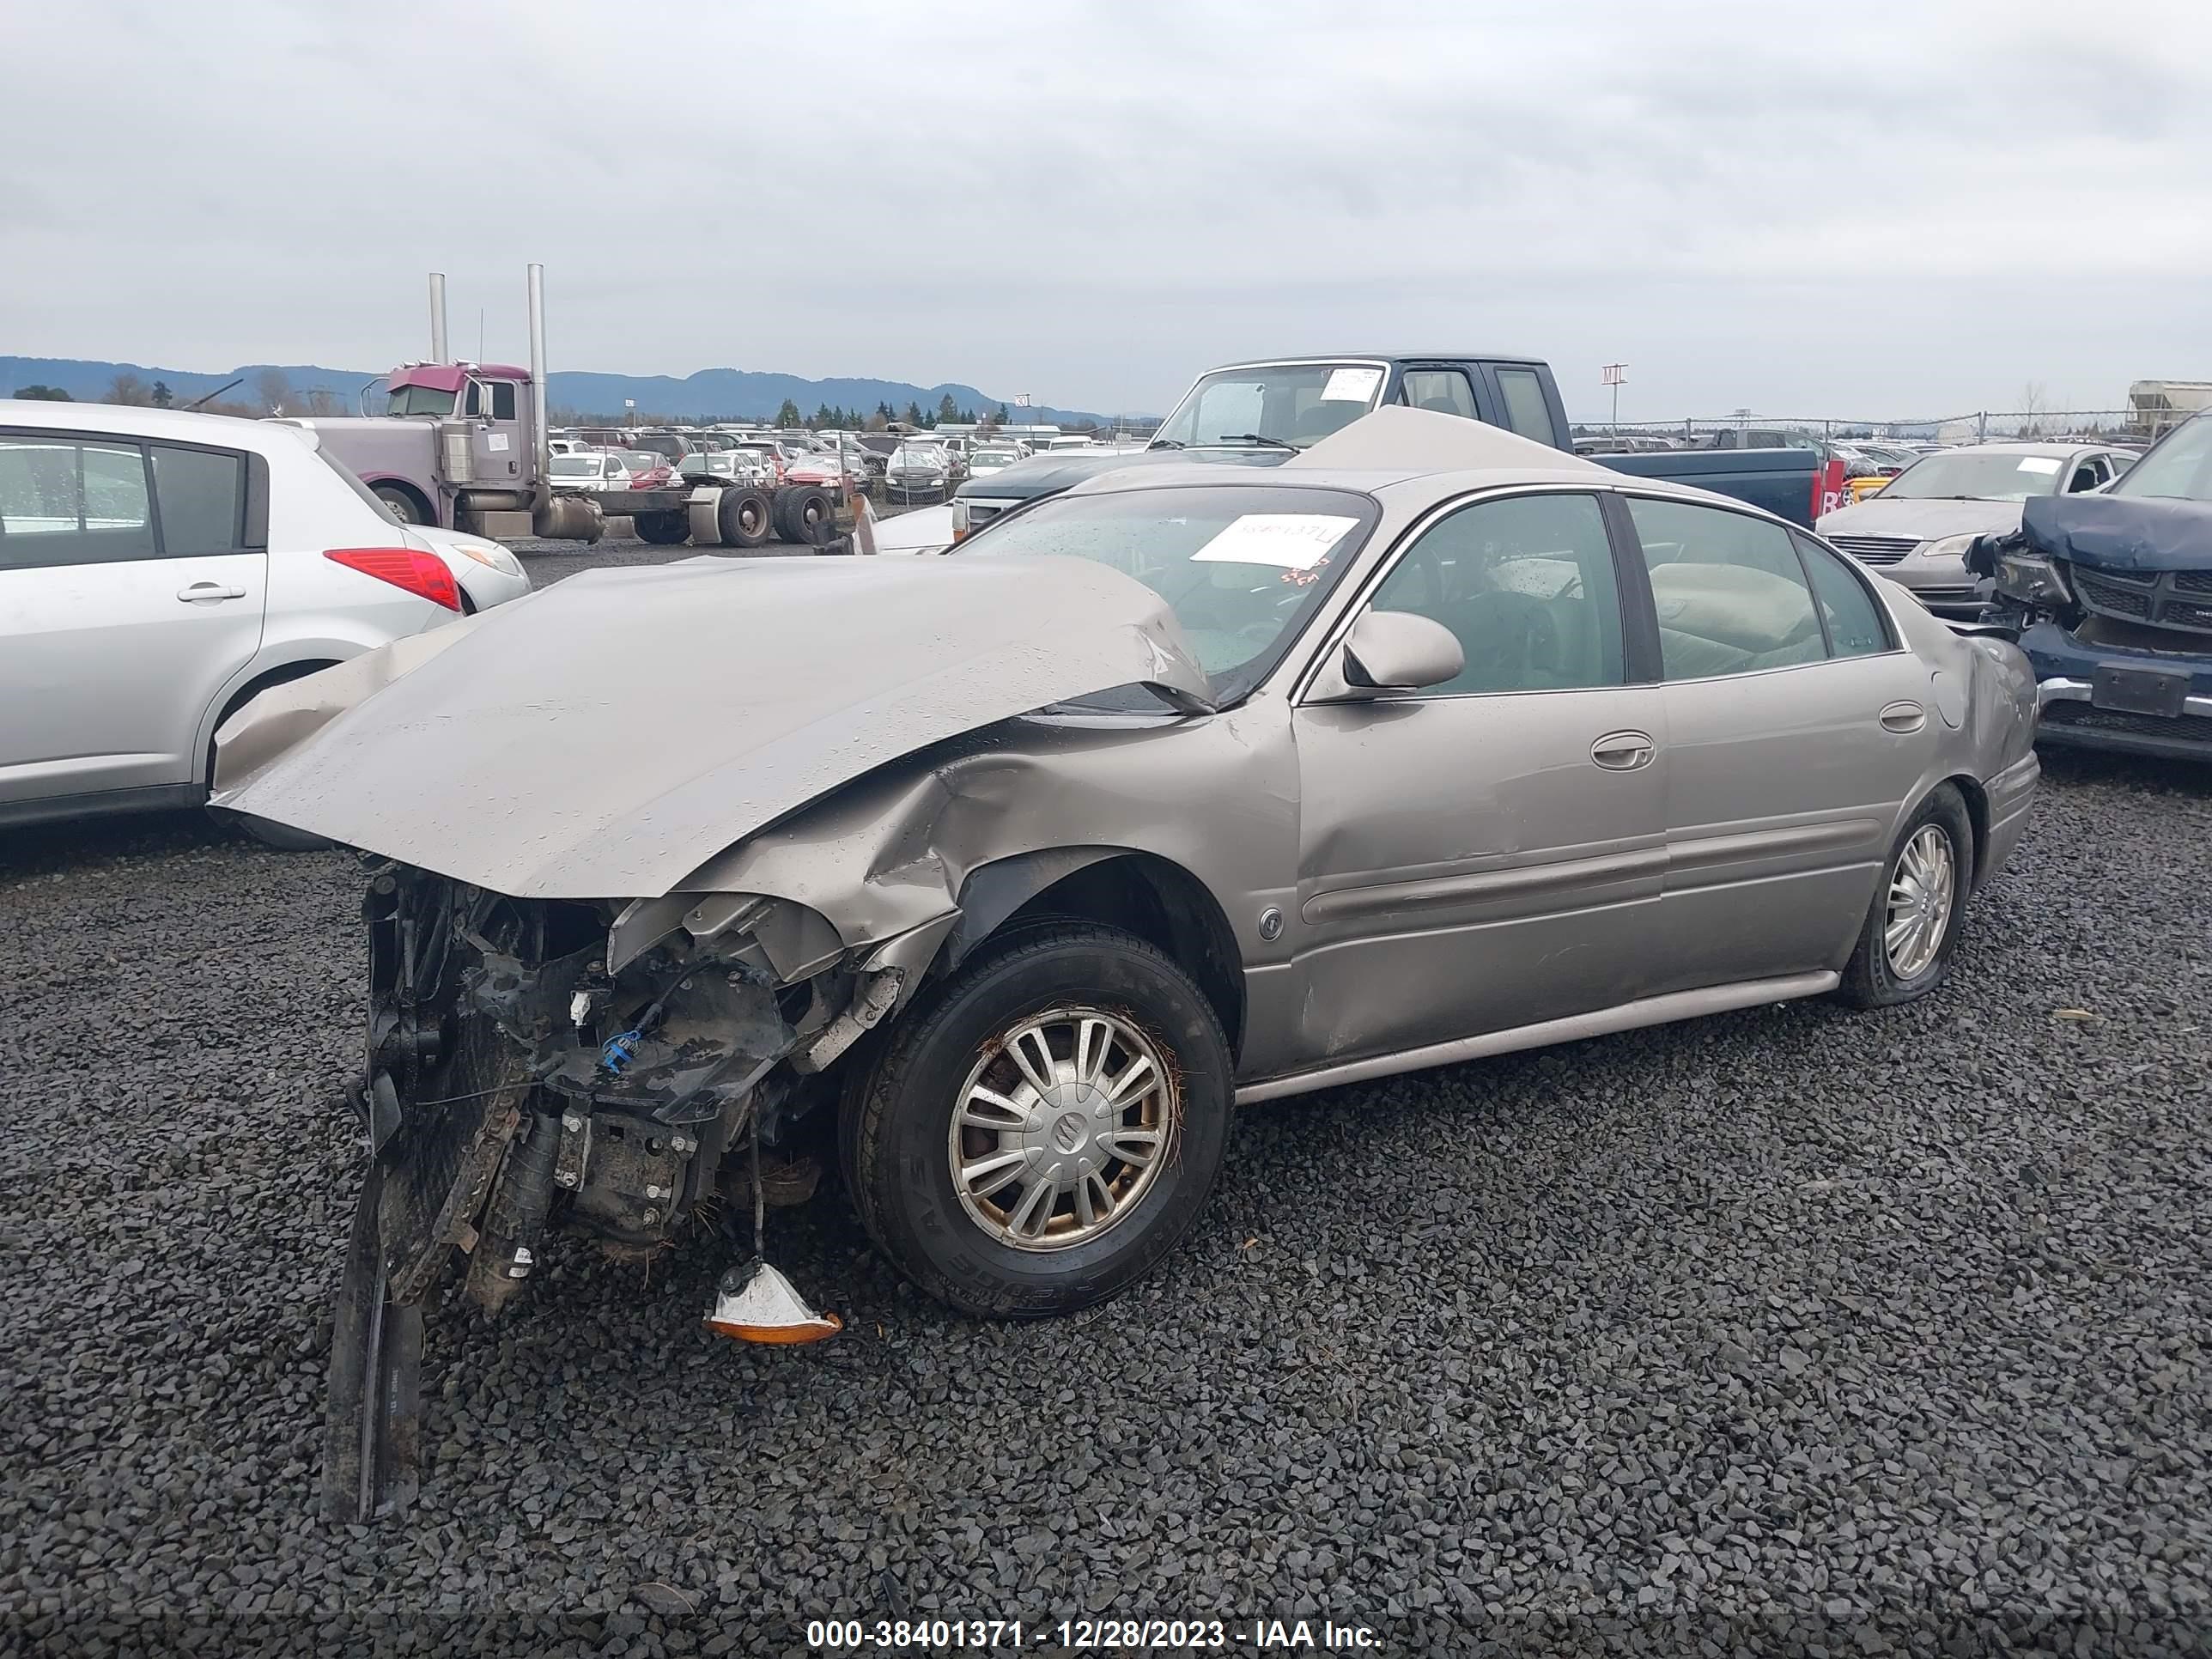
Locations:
{"points": [[1062, 1129], [1920, 892]]}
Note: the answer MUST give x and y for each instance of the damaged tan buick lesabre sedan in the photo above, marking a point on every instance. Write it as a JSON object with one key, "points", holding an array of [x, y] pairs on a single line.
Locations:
{"points": [[1191, 786]]}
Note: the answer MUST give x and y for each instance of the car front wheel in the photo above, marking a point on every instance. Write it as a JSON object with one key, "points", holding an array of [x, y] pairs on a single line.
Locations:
{"points": [[1912, 928], [1040, 1130]]}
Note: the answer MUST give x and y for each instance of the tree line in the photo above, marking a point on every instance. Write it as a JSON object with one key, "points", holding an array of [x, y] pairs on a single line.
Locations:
{"points": [[272, 394]]}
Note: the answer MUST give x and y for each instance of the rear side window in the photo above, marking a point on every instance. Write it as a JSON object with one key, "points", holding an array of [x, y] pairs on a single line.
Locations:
{"points": [[1444, 390], [200, 496], [1732, 598], [502, 400], [1855, 622], [1526, 411], [65, 501]]}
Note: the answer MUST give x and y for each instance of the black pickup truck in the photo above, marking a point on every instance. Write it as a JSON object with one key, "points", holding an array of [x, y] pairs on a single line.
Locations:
{"points": [[1259, 413]]}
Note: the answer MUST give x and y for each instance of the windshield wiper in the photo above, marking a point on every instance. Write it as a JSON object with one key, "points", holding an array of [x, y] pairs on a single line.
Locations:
{"points": [[1167, 443], [1256, 438]]}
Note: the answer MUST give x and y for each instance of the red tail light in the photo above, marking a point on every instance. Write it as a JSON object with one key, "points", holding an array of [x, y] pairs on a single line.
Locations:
{"points": [[423, 574]]}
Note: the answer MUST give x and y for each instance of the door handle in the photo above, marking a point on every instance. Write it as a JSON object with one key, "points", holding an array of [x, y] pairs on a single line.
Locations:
{"points": [[1623, 751], [1904, 717], [199, 591]]}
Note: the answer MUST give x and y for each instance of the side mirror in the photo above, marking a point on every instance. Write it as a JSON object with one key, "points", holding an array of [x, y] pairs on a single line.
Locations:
{"points": [[1400, 651]]}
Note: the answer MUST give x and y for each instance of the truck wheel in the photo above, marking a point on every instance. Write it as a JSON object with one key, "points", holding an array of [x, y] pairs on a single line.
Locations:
{"points": [[399, 503], [805, 515], [1042, 1128], [746, 517], [661, 529]]}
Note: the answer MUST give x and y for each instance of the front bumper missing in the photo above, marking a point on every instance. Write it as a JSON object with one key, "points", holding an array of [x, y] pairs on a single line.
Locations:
{"points": [[516, 1087]]}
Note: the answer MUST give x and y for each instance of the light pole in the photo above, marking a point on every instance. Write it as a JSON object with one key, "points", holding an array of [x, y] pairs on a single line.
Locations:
{"points": [[1614, 375]]}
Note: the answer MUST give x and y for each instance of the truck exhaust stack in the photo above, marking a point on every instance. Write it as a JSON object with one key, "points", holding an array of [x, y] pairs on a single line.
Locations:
{"points": [[438, 317]]}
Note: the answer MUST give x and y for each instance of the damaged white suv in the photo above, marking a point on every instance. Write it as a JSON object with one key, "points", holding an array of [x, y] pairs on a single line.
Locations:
{"points": [[1187, 788]]}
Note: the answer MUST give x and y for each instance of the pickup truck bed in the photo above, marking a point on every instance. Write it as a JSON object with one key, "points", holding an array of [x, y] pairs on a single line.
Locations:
{"points": [[1779, 480]]}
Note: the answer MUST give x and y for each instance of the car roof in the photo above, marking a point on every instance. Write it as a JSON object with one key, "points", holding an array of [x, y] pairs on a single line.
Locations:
{"points": [[2028, 447], [121, 421], [1530, 358]]}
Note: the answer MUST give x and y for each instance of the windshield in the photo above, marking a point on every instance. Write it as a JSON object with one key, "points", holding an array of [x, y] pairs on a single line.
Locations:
{"points": [[1295, 404], [418, 400], [916, 458], [2180, 467], [1242, 568], [1978, 475], [575, 467], [984, 458]]}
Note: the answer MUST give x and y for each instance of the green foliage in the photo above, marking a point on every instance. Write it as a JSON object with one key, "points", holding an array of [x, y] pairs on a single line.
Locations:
{"points": [[44, 394], [788, 414], [163, 397]]}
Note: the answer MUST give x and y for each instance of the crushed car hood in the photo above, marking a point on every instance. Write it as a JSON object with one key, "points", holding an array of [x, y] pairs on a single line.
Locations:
{"points": [[2121, 532], [607, 735]]}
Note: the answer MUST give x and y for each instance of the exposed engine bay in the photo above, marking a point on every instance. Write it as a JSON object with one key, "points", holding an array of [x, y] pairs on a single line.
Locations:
{"points": [[518, 1084]]}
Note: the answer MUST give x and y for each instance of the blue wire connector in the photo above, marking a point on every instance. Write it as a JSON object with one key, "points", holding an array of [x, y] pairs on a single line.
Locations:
{"points": [[620, 1051]]}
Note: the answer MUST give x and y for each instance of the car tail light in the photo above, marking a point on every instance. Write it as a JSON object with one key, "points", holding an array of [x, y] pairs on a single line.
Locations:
{"points": [[423, 574]]}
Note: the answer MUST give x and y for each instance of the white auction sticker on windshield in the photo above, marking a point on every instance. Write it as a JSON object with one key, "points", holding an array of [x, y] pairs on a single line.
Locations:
{"points": [[1288, 541], [1351, 385], [2037, 463]]}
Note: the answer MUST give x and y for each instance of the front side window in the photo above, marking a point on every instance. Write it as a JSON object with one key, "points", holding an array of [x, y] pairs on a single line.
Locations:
{"points": [[1272, 406], [1526, 584], [1526, 410], [201, 494], [1243, 568], [62, 501], [1855, 624], [1732, 598], [502, 400]]}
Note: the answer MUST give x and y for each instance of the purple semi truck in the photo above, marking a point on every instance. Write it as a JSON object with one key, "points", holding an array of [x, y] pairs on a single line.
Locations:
{"points": [[463, 444]]}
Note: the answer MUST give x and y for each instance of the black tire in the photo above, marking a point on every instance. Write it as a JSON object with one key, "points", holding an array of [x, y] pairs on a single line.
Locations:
{"points": [[805, 515], [897, 1120], [1870, 979], [668, 529], [746, 518], [401, 505]]}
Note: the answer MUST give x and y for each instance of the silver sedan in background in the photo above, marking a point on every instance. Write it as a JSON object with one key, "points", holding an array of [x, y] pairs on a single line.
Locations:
{"points": [[1916, 529]]}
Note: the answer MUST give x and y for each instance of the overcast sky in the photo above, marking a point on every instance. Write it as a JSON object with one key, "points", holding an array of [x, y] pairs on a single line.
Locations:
{"points": [[1800, 209]]}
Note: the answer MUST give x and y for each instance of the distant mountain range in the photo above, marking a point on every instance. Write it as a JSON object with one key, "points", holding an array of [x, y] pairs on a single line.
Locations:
{"points": [[718, 394]]}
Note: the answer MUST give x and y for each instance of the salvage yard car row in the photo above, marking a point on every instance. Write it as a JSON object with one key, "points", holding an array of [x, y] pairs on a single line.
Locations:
{"points": [[922, 887]]}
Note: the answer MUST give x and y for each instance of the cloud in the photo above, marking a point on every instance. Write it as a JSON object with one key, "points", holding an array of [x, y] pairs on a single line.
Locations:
{"points": [[1786, 208]]}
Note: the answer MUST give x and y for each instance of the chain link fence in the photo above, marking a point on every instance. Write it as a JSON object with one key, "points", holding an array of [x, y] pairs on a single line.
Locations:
{"points": [[2133, 427]]}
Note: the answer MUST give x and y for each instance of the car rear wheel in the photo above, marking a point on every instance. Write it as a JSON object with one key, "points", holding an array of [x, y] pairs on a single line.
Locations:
{"points": [[1040, 1130], [1911, 929]]}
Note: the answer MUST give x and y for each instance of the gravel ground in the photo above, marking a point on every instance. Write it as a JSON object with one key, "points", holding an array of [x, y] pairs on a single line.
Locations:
{"points": [[1787, 1331]]}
